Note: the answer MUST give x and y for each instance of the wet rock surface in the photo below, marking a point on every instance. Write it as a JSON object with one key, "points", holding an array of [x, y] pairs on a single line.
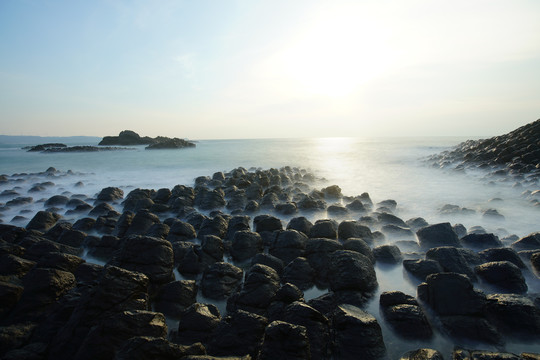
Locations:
{"points": [[263, 282]]}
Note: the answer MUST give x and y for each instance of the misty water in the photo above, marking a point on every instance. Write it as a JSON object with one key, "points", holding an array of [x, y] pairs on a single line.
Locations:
{"points": [[386, 168]]}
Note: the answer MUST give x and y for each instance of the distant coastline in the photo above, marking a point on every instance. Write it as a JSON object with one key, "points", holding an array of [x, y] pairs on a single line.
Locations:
{"points": [[26, 139]]}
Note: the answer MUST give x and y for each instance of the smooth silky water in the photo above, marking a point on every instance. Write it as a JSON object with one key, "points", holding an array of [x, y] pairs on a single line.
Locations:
{"points": [[386, 168]]}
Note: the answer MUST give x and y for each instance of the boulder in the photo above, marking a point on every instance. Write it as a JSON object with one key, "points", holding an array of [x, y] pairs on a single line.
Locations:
{"points": [[105, 339], [452, 260], [504, 275], [350, 270], [437, 235], [535, 262], [156, 348], [299, 272], [60, 261], [416, 223], [300, 224], [9, 296], [267, 223], [238, 334], [197, 324], [318, 253], [439, 291], [405, 316], [101, 209], [268, 260], [220, 280], [316, 324], [357, 334], [260, 286], [14, 265], [216, 226], [387, 254], [324, 229], [283, 340], [173, 298], [471, 328], [360, 246], [206, 199], [514, 315], [351, 229], [110, 194], [422, 354], [142, 222], [389, 219], [151, 256], [56, 200], [481, 241], [43, 221], [288, 245], [529, 242], [502, 254], [422, 268], [181, 231], [245, 245]]}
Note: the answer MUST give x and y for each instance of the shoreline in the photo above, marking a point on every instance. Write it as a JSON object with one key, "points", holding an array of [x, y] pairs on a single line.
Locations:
{"points": [[390, 240]]}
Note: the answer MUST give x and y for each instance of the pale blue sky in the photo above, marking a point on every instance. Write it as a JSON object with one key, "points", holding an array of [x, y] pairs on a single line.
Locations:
{"points": [[248, 69]]}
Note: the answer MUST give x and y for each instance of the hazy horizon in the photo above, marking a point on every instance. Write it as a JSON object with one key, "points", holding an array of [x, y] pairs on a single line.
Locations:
{"points": [[269, 69]]}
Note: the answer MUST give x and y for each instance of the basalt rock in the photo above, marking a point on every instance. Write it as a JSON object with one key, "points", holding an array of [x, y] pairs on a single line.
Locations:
{"points": [[502, 254], [145, 347], [481, 241], [299, 272], [175, 297], [352, 229], [387, 254], [515, 315], [181, 231], [268, 260], [197, 324], [405, 315], [360, 246], [141, 223], [110, 194], [216, 226], [350, 270], [422, 354], [43, 221], [283, 340], [300, 224], [324, 229], [357, 334], [529, 242], [452, 260], [422, 268], [288, 245], [437, 235], [504, 275], [245, 245], [220, 280]]}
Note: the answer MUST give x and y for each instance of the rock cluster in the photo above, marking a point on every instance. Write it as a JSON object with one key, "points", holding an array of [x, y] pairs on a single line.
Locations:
{"points": [[516, 154], [128, 137], [229, 240]]}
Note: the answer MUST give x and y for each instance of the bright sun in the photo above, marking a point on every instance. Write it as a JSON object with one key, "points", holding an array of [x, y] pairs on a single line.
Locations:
{"points": [[336, 55]]}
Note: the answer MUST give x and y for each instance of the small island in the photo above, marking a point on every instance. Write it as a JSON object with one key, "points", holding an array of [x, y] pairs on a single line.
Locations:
{"points": [[130, 138]]}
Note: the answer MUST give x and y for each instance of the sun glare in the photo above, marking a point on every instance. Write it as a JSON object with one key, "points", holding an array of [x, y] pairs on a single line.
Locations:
{"points": [[336, 55]]}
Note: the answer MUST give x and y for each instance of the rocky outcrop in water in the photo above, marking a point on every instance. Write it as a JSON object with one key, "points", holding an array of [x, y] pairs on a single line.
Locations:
{"points": [[515, 153], [128, 137]]}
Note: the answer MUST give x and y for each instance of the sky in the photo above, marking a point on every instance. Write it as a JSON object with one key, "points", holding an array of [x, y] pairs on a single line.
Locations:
{"points": [[210, 69]]}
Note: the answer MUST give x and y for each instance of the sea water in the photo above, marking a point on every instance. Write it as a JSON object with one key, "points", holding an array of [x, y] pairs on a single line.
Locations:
{"points": [[386, 168]]}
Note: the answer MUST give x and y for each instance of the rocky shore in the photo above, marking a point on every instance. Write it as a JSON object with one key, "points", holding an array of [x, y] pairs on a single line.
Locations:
{"points": [[513, 157], [220, 269], [56, 148]]}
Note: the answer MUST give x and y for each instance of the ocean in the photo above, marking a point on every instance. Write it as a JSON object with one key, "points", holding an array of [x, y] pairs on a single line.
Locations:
{"points": [[386, 168]]}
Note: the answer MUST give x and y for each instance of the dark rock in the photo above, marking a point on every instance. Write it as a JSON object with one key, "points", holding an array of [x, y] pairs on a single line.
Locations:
{"points": [[118, 290], [11, 233], [309, 203], [287, 208], [535, 262], [481, 241], [181, 231], [144, 347], [267, 223], [71, 237], [300, 224], [405, 316], [460, 354], [389, 219], [197, 324], [298, 272], [316, 324], [220, 280], [452, 260], [318, 253], [56, 200], [105, 339], [422, 354], [437, 235], [252, 206], [288, 245], [158, 230], [439, 291], [397, 231], [529, 242], [350, 270], [356, 206], [493, 214], [283, 340], [416, 223], [359, 246], [60, 261], [422, 268], [14, 265], [239, 334], [504, 275], [18, 201], [502, 254], [9, 296], [126, 137], [387, 254], [101, 209], [141, 223], [43, 221], [332, 191], [268, 260], [352, 229], [206, 199], [357, 334], [167, 143], [515, 315], [175, 297], [286, 295], [39, 247], [237, 223], [102, 247], [260, 286], [460, 230], [14, 336], [150, 256], [245, 245], [216, 226], [110, 194], [471, 328], [324, 229]]}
